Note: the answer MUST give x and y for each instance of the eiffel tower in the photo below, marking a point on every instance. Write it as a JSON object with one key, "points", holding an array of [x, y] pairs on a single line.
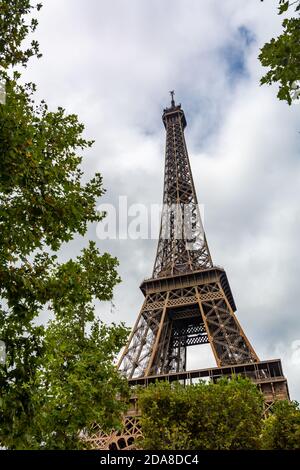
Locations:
{"points": [[188, 301]]}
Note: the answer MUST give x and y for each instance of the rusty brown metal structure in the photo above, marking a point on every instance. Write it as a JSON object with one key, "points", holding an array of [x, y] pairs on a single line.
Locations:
{"points": [[188, 300]]}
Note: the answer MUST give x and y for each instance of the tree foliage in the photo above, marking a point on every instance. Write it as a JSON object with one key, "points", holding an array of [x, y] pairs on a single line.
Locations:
{"points": [[14, 28], [214, 416], [84, 365], [282, 56], [57, 379], [282, 428]]}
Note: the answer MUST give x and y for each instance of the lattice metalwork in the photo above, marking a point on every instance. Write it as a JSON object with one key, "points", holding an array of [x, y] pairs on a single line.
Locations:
{"points": [[182, 245], [139, 351], [185, 317], [229, 342], [116, 440]]}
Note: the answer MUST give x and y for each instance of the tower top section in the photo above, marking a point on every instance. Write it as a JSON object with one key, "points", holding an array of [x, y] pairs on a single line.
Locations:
{"points": [[173, 112], [182, 246]]}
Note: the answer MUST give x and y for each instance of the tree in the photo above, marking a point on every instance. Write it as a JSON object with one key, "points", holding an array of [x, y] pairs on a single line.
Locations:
{"points": [[77, 385], [214, 416], [282, 56], [282, 428], [58, 378], [15, 26]]}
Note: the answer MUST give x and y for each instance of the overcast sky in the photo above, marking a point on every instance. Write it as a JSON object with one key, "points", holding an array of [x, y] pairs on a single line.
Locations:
{"points": [[113, 63]]}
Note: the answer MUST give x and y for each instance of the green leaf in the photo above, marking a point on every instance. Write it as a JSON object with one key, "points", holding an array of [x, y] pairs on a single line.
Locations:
{"points": [[283, 7]]}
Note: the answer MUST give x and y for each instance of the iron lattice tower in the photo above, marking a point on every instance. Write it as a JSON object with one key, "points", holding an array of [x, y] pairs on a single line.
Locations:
{"points": [[188, 300]]}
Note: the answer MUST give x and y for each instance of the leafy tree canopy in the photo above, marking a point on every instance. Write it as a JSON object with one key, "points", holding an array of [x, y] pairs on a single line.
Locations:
{"points": [[15, 26], [282, 56], [281, 429], [58, 378], [214, 416]]}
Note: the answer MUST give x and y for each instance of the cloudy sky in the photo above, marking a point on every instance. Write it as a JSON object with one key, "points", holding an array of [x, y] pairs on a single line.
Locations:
{"points": [[113, 63]]}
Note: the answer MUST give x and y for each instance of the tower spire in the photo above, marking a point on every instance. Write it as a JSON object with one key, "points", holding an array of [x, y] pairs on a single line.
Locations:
{"points": [[172, 93]]}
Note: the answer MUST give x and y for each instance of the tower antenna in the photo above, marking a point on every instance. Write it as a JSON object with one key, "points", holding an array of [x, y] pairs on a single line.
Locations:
{"points": [[172, 93]]}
